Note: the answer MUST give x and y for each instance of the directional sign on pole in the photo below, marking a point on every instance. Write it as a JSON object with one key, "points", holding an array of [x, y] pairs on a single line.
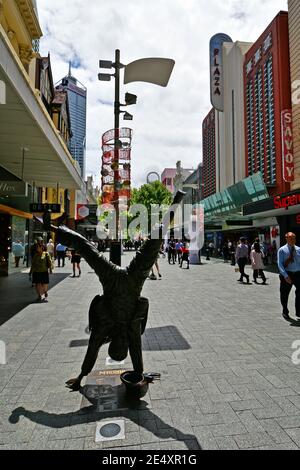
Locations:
{"points": [[54, 208]]}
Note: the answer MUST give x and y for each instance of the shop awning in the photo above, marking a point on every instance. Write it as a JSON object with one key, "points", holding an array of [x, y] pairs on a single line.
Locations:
{"points": [[16, 212], [24, 123], [282, 204], [227, 205]]}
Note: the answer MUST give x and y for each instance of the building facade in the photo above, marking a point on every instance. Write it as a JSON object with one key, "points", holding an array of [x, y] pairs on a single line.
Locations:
{"points": [[267, 95], [77, 95], [209, 170], [231, 165], [294, 32], [32, 153], [167, 178]]}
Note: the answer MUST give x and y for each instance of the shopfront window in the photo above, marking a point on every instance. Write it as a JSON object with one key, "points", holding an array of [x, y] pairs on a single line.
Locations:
{"points": [[18, 253]]}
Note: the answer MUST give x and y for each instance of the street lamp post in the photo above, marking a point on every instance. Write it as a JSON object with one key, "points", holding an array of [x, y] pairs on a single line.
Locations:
{"points": [[115, 250], [151, 70]]}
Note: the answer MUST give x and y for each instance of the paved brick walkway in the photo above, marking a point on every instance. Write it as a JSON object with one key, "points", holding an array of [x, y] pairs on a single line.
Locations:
{"points": [[223, 350]]}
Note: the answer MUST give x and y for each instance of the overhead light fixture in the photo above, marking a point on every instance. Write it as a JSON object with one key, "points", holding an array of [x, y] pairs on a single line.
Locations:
{"points": [[130, 99], [104, 77], [105, 64], [127, 117]]}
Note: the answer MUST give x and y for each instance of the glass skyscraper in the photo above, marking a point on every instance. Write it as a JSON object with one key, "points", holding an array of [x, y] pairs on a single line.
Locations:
{"points": [[77, 96]]}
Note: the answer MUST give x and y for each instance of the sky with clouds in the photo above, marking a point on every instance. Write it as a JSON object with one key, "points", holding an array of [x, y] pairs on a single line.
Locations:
{"points": [[167, 121]]}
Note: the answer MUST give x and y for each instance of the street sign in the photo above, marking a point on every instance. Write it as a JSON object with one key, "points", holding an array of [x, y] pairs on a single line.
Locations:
{"points": [[54, 208]]}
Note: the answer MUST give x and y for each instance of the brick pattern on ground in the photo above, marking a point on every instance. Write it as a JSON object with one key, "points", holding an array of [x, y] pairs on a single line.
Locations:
{"points": [[222, 348]]}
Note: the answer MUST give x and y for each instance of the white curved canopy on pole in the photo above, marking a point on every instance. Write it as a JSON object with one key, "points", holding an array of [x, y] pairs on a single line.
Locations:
{"points": [[152, 70]]}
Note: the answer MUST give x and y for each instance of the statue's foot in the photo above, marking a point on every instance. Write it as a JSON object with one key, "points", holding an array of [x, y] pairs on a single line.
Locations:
{"points": [[73, 384]]}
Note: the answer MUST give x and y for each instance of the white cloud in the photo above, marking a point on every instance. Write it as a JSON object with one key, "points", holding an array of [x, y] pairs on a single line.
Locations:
{"points": [[167, 121]]}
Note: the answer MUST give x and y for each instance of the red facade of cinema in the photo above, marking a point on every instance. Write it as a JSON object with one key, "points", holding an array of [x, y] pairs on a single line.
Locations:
{"points": [[267, 89], [209, 154]]}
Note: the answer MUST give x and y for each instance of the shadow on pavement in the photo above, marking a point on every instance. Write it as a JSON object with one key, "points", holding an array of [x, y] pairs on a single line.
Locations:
{"points": [[16, 293], [137, 412], [164, 338]]}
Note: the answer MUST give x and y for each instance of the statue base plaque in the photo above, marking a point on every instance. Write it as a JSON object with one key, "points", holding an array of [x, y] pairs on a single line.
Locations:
{"points": [[104, 390]]}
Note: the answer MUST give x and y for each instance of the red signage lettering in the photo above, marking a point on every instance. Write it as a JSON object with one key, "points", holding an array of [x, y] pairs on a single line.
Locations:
{"points": [[287, 146], [284, 202]]}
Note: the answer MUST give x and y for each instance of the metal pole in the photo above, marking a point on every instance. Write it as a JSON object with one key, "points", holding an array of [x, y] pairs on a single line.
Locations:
{"points": [[23, 161], [115, 250], [117, 125]]}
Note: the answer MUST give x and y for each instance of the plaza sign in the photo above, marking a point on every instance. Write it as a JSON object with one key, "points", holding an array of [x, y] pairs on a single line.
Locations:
{"points": [[13, 188], [287, 146], [216, 70]]}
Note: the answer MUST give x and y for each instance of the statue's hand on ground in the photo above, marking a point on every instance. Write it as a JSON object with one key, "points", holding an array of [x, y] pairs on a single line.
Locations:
{"points": [[74, 384]]}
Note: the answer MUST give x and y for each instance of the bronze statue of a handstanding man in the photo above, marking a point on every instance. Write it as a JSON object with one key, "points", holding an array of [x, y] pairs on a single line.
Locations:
{"points": [[119, 316]]}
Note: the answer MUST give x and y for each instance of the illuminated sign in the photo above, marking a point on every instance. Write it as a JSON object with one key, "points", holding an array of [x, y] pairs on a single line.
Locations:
{"points": [[287, 146], [216, 70], [82, 211], [287, 201]]}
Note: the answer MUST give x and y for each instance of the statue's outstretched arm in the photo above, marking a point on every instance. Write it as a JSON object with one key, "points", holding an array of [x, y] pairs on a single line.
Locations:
{"points": [[103, 268], [146, 257]]}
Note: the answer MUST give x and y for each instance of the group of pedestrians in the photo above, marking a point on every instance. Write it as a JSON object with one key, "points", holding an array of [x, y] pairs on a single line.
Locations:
{"points": [[178, 251], [256, 259], [288, 261], [43, 257]]}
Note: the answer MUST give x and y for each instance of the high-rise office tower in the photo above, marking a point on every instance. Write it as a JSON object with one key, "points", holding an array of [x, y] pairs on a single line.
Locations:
{"points": [[77, 95]]}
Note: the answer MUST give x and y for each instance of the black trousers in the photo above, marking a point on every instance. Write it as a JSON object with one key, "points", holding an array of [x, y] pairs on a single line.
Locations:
{"points": [[242, 263], [61, 257], [259, 272], [171, 256], [285, 290]]}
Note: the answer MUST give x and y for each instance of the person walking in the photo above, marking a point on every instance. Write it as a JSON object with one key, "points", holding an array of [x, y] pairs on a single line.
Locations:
{"points": [[61, 254], [185, 255], [171, 251], [75, 260], [225, 252], [41, 265], [241, 258], [274, 252], [288, 259], [18, 252], [178, 247], [50, 250], [257, 264], [152, 276]]}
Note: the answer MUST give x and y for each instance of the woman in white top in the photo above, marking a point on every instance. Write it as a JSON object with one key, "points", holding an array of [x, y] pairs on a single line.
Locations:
{"points": [[257, 264], [50, 248]]}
